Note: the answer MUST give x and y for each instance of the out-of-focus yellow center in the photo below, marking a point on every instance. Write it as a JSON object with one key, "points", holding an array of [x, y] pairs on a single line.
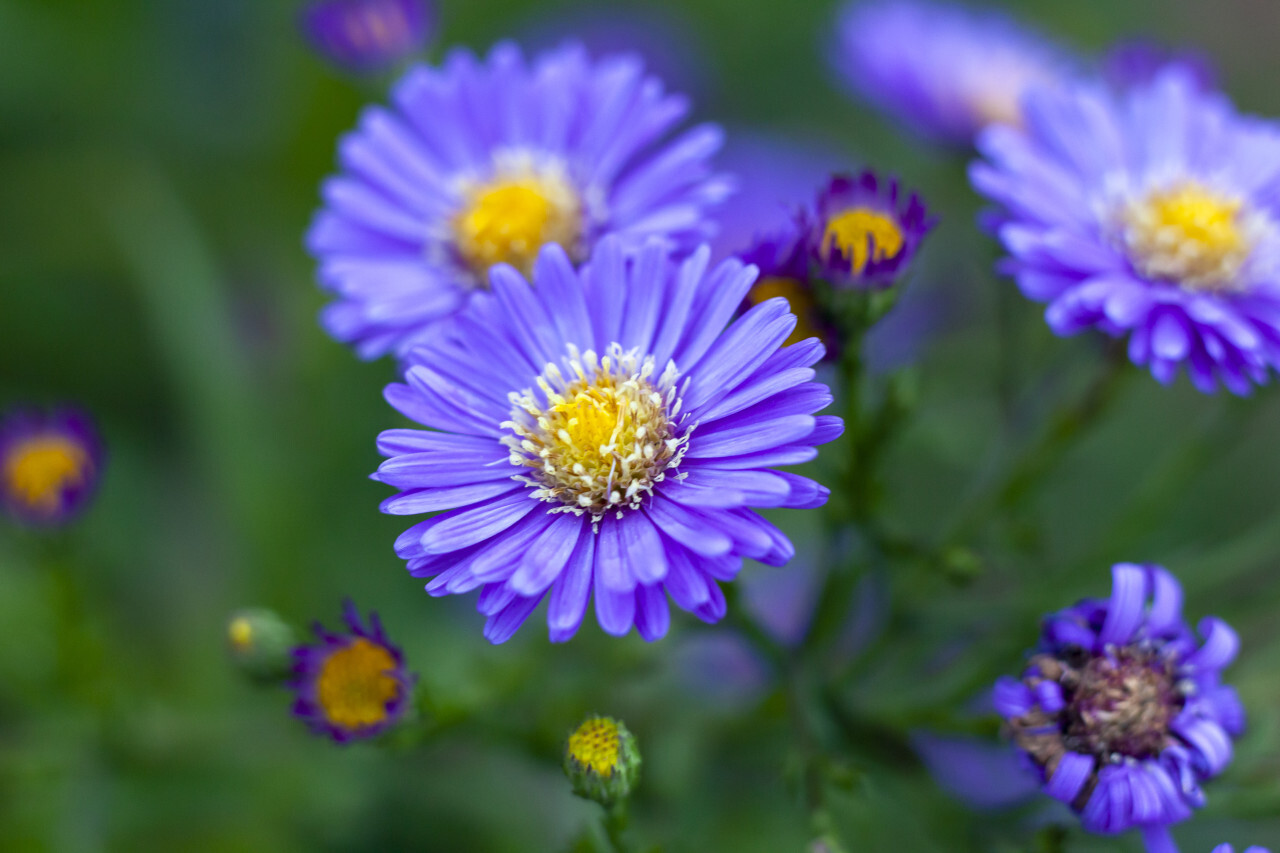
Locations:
{"points": [[37, 470], [798, 296], [509, 220], [1189, 235], [240, 632], [356, 683], [595, 745], [601, 437], [862, 235]]}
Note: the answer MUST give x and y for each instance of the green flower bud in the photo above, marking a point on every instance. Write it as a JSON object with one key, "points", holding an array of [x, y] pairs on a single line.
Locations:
{"points": [[261, 644], [602, 760]]}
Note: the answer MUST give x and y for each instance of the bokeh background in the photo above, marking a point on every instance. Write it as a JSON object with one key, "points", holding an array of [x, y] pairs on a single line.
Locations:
{"points": [[159, 163]]}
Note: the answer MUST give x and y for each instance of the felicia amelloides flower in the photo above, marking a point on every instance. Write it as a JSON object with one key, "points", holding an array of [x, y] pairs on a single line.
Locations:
{"points": [[1146, 214], [485, 162], [944, 70], [1122, 711], [351, 685], [602, 433], [50, 465]]}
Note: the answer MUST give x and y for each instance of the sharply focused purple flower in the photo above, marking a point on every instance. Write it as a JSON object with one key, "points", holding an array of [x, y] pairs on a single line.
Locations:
{"points": [[1152, 214], [604, 432], [480, 163], [1122, 710], [1137, 62], [945, 71], [351, 685], [50, 465], [366, 36], [863, 234]]}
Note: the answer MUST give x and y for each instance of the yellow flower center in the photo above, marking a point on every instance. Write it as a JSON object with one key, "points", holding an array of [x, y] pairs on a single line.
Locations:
{"points": [[862, 235], [600, 437], [509, 219], [39, 469], [797, 296], [595, 745], [356, 683], [240, 633], [1188, 235]]}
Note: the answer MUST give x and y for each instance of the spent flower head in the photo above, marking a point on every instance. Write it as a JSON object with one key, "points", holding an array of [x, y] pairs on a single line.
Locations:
{"points": [[1121, 710]]}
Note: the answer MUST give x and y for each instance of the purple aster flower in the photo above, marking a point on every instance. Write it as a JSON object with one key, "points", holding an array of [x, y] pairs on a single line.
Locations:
{"points": [[603, 432], [1227, 848], [480, 163], [945, 71], [351, 685], [1137, 62], [1121, 710], [366, 36], [863, 234], [1152, 214], [50, 465]]}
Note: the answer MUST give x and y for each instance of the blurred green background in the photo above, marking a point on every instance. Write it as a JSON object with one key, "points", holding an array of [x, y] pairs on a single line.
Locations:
{"points": [[159, 162]]}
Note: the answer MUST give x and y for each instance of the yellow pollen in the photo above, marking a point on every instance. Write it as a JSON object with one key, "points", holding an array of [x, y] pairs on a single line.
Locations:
{"points": [[356, 683], [602, 436], [850, 231], [509, 220], [595, 746], [38, 470], [797, 296], [240, 632], [1188, 235]]}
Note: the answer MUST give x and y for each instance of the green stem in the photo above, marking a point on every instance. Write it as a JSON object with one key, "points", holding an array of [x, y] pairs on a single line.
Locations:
{"points": [[1028, 470], [616, 820]]}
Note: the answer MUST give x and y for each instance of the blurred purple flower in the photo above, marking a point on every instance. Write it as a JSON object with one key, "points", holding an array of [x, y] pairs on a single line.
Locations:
{"points": [[1148, 214], [981, 773], [1139, 61], [50, 464], [944, 70], [368, 36]]}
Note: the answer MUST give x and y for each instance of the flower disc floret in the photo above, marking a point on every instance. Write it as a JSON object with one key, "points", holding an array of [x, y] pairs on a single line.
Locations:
{"points": [[1121, 711], [1146, 214], [486, 161], [627, 469], [601, 437]]}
